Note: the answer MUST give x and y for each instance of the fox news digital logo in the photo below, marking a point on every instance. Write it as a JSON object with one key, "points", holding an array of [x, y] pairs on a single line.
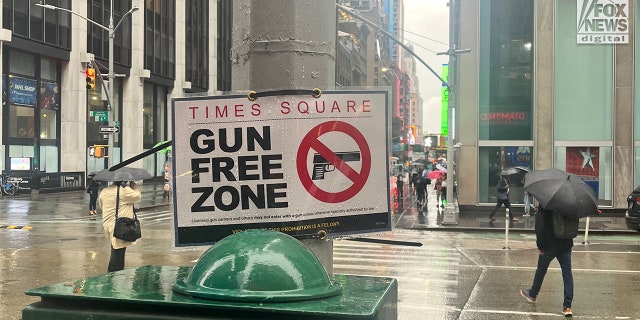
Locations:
{"points": [[603, 21]]}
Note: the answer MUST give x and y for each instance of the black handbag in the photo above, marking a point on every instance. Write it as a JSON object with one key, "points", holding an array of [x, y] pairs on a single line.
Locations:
{"points": [[127, 229]]}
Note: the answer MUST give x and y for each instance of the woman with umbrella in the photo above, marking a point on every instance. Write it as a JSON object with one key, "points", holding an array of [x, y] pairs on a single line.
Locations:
{"points": [[120, 196]]}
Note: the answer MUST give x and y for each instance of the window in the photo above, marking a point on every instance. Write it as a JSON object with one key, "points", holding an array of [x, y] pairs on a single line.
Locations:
{"points": [[492, 160], [506, 51], [583, 83], [592, 164], [160, 37]]}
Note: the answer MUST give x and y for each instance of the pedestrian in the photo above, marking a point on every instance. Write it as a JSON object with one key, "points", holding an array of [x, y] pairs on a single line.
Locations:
{"points": [[437, 186], [414, 175], [421, 190], [549, 248], [443, 190], [92, 190], [400, 184], [502, 198], [527, 199], [129, 193]]}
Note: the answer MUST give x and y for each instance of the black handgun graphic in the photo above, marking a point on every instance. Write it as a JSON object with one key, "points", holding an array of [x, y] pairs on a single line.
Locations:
{"points": [[322, 165]]}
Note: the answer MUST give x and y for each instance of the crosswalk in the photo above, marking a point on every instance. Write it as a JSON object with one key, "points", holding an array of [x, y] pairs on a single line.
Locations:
{"points": [[427, 276]]}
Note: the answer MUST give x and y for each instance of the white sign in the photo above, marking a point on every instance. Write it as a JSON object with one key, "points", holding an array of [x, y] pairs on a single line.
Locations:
{"points": [[295, 164], [602, 21], [109, 129]]}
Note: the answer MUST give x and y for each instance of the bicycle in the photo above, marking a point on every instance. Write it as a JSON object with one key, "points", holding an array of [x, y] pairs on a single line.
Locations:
{"points": [[9, 185]]}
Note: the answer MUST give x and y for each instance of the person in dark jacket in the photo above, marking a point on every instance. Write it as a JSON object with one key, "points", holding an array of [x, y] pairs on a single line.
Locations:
{"points": [[550, 248], [502, 198], [92, 190]]}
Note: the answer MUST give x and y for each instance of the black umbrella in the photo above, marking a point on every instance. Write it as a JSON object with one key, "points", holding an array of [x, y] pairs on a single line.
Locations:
{"points": [[563, 192], [122, 174]]}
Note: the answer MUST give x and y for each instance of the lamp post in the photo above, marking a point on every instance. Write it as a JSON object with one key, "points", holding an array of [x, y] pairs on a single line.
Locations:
{"points": [[111, 30], [449, 211]]}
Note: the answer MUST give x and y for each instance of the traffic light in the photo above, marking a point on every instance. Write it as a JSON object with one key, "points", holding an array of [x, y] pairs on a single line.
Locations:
{"points": [[91, 78], [98, 152]]}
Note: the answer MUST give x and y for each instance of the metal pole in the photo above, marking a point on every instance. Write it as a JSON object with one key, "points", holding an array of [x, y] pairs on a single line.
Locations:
{"points": [[111, 106], [449, 210], [586, 232], [506, 230]]}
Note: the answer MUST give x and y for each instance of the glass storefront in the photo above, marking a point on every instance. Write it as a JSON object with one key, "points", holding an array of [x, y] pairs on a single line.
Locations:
{"points": [[31, 98], [491, 160], [505, 115], [592, 164]]}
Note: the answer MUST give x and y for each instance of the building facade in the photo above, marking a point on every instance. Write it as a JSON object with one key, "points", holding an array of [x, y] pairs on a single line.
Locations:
{"points": [[51, 121], [531, 95]]}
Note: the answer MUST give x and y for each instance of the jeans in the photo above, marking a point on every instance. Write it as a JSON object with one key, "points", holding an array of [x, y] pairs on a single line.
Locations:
{"points": [[506, 204], [564, 258], [527, 203]]}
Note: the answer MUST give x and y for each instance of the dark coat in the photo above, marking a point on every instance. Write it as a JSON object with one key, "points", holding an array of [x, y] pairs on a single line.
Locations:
{"points": [[544, 233], [93, 187]]}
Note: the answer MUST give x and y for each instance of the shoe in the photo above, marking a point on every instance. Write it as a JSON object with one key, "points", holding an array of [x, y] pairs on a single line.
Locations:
{"points": [[525, 294], [514, 219], [526, 215], [567, 312], [492, 218]]}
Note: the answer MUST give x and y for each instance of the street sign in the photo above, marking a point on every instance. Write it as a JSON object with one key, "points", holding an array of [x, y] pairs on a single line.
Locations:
{"points": [[100, 116], [295, 164], [109, 129]]}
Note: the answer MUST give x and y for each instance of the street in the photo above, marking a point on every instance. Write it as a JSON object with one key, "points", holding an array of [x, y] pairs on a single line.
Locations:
{"points": [[453, 275]]}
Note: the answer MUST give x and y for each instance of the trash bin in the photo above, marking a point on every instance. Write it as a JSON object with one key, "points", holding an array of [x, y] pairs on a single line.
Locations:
{"points": [[255, 274]]}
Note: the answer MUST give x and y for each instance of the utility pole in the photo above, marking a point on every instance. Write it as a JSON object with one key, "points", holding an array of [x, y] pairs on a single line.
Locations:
{"points": [[450, 209], [284, 44]]}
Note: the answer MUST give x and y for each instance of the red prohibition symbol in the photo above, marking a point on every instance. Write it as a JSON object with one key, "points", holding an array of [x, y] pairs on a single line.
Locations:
{"points": [[311, 143]]}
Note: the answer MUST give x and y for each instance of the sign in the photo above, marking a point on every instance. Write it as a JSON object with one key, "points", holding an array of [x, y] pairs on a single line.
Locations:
{"points": [[296, 164], [602, 21], [109, 129], [100, 116], [444, 110]]}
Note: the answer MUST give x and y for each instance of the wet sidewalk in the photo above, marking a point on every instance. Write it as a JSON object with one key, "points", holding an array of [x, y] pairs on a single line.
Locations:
{"points": [[407, 215]]}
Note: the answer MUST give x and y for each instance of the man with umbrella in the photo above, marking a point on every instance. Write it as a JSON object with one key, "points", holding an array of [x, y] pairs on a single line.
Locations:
{"points": [[549, 248], [120, 196], [560, 195], [502, 198]]}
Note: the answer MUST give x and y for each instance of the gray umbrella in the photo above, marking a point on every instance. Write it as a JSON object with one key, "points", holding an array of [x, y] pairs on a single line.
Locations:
{"points": [[122, 174], [508, 171], [558, 190]]}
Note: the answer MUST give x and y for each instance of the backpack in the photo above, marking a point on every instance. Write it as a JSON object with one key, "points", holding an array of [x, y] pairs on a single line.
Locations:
{"points": [[564, 227]]}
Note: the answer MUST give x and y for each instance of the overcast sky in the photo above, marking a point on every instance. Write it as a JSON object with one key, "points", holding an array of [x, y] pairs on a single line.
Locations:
{"points": [[427, 27]]}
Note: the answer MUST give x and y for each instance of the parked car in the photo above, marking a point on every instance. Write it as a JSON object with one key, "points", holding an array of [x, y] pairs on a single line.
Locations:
{"points": [[632, 217]]}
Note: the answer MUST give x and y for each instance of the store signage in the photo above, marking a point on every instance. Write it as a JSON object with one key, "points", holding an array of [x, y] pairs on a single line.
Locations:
{"points": [[602, 21]]}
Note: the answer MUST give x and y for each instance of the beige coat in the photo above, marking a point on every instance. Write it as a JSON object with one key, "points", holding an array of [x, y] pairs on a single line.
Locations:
{"points": [[107, 203]]}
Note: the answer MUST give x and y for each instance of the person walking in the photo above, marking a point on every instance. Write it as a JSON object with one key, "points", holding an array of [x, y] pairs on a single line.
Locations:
{"points": [[550, 248], [437, 186], [502, 198], [129, 193], [400, 184], [92, 190], [421, 190]]}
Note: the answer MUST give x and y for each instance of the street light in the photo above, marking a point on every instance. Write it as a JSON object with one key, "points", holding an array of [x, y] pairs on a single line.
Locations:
{"points": [[111, 30]]}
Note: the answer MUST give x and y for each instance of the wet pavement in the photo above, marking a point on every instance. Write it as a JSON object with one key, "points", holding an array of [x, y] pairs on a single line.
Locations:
{"points": [[470, 270]]}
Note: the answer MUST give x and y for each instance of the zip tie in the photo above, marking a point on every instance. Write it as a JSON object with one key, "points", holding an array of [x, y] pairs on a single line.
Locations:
{"points": [[315, 92]]}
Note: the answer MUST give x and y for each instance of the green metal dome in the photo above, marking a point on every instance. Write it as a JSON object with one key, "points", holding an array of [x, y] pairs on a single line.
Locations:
{"points": [[261, 266]]}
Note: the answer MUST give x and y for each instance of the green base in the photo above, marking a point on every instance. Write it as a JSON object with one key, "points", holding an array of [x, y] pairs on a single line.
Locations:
{"points": [[146, 293]]}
